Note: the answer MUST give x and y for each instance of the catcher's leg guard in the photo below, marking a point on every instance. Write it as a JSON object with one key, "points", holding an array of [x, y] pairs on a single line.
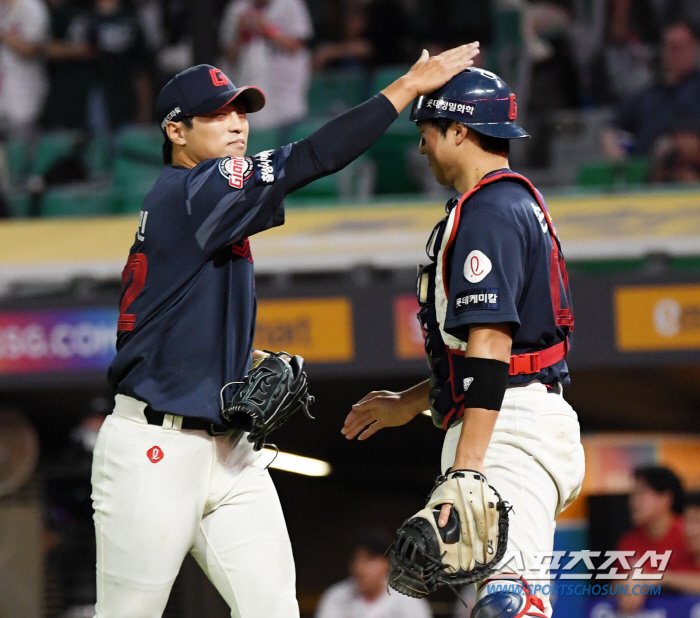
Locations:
{"points": [[507, 598]]}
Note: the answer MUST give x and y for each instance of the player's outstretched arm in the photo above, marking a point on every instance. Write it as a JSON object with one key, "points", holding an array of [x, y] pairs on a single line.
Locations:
{"points": [[380, 409], [429, 74], [343, 139]]}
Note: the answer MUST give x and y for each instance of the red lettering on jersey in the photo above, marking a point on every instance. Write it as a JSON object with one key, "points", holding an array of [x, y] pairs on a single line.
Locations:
{"points": [[513, 112], [133, 280], [218, 78], [155, 454]]}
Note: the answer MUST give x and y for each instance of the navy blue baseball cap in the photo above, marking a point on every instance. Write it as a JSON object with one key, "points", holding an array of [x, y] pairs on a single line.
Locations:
{"points": [[476, 98], [202, 89]]}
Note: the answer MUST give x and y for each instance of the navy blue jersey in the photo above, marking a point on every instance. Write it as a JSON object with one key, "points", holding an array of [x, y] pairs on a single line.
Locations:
{"points": [[500, 272], [187, 312]]}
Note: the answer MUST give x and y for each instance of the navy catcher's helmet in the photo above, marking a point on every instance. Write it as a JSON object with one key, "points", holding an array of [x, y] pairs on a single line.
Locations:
{"points": [[476, 98]]}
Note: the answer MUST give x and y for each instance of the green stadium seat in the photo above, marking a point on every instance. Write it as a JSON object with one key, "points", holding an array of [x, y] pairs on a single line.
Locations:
{"points": [[16, 153], [98, 155], [596, 174], [18, 203], [506, 54], [607, 174], [390, 154], [334, 91], [52, 147], [636, 171], [76, 201], [262, 139], [132, 181], [383, 76], [142, 144]]}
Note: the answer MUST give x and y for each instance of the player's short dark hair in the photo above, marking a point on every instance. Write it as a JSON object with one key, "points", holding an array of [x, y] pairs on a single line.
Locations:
{"points": [[663, 480], [376, 541], [494, 145], [168, 145], [692, 499]]}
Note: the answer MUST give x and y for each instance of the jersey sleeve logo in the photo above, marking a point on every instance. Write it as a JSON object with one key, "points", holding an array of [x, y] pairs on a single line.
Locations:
{"points": [[476, 266], [477, 300], [264, 167], [236, 170]]}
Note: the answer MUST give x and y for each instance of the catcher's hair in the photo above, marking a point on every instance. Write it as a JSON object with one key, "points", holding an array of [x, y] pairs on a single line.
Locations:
{"points": [[663, 480], [168, 145], [493, 145], [376, 541]]}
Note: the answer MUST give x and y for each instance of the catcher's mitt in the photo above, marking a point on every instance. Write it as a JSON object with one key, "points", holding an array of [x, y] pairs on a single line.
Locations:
{"points": [[273, 390], [469, 547]]}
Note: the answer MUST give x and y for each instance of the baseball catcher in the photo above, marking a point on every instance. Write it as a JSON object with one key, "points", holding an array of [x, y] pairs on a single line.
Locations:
{"points": [[425, 556], [274, 389]]}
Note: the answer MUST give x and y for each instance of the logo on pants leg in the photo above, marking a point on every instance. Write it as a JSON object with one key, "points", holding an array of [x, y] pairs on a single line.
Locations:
{"points": [[155, 454]]}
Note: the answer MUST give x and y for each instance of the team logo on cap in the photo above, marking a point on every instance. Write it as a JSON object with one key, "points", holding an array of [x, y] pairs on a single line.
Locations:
{"points": [[236, 169]]}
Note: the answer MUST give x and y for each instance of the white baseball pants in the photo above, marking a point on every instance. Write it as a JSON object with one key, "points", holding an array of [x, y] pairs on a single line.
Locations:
{"points": [[535, 462], [161, 492]]}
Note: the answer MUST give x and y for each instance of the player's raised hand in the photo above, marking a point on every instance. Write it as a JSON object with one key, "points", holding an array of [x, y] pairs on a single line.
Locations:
{"points": [[430, 73], [375, 411]]}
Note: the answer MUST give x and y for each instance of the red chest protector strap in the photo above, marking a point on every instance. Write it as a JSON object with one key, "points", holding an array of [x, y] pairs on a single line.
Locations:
{"points": [[532, 362]]}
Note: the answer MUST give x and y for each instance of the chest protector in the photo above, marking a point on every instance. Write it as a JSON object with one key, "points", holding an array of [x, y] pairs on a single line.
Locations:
{"points": [[445, 352]]}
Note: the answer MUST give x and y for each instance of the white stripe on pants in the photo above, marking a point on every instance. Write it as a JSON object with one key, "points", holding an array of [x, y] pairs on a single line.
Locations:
{"points": [[210, 496], [535, 462]]}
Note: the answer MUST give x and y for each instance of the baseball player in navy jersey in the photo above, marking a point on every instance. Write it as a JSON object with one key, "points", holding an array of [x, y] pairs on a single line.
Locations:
{"points": [[170, 476], [496, 312]]}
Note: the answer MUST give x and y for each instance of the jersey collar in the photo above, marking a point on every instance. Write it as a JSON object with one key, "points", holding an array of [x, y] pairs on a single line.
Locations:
{"points": [[452, 202]]}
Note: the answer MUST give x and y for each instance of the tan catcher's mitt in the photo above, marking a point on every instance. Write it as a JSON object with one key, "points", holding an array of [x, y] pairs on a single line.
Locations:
{"points": [[469, 547]]}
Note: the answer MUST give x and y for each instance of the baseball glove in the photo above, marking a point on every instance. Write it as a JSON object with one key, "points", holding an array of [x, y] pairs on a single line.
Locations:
{"points": [[273, 390], [469, 547]]}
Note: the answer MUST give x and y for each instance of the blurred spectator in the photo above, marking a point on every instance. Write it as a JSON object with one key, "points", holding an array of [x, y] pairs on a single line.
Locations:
{"points": [[677, 155], [686, 577], [24, 30], [121, 93], [265, 42], [69, 72], [177, 53], [375, 34], [656, 502], [643, 118], [539, 19], [627, 58], [353, 50], [364, 594]]}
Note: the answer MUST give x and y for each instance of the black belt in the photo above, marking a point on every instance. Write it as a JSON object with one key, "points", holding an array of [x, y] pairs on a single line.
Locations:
{"points": [[188, 422]]}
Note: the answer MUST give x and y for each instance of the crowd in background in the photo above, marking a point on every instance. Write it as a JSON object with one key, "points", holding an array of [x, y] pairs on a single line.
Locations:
{"points": [[96, 65], [664, 519]]}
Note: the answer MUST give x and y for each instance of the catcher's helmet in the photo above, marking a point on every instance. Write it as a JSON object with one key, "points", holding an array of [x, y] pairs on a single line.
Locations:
{"points": [[476, 98]]}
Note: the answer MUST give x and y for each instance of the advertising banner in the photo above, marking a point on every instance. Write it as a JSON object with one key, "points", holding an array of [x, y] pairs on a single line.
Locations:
{"points": [[57, 340], [408, 340], [657, 318]]}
